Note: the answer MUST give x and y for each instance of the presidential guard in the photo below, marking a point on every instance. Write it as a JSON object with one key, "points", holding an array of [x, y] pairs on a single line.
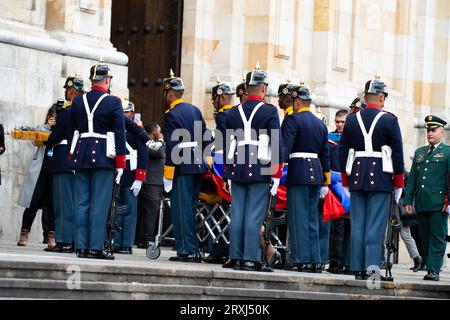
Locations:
{"points": [[372, 167], [130, 186], [427, 191], [63, 176], [306, 151], [222, 97], [253, 154], [97, 152], [185, 165]]}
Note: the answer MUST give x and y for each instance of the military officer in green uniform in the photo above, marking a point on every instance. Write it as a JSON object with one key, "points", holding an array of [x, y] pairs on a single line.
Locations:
{"points": [[427, 189]]}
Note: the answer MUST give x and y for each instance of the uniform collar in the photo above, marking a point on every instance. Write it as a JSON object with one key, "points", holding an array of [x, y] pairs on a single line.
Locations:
{"points": [[228, 107], [437, 145], [373, 106], [304, 110], [97, 88], [256, 98], [67, 104], [174, 104], [289, 111]]}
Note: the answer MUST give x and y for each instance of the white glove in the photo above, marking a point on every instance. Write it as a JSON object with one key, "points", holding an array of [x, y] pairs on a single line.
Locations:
{"points": [[229, 185], [119, 175], [275, 185], [136, 187], [152, 145], [347, 191], [323, 192], [168, 185], [398, 194]]}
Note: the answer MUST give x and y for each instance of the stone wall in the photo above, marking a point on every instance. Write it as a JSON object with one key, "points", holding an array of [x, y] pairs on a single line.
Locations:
{"points": [[41, 43]]}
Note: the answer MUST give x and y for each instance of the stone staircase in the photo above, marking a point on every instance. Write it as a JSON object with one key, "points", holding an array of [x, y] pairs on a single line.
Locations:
{"points": [[37, 275]]}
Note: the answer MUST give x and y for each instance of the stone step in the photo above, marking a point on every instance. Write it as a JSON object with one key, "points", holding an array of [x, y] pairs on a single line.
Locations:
{"points": [[168, 277], [57, 289]]}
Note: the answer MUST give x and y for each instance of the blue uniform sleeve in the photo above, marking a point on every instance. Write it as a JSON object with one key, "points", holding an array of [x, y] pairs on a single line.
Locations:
{"points": [[118, 124], [170, 125], [275, 130], [136, 131], [142, 161], [397, 147], [289, 135], [325, 157]]}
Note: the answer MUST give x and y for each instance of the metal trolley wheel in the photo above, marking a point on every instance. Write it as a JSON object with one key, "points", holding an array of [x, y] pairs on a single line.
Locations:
{"points": [[153, 252]]}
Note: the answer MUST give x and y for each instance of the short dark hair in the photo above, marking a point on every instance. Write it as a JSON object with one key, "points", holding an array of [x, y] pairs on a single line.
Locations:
{"points": [[151, 127], [178, 94], [341, 113]]}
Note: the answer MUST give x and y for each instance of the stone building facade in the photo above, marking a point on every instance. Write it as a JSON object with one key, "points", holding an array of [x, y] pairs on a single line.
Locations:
{"points": [[334, 46]]}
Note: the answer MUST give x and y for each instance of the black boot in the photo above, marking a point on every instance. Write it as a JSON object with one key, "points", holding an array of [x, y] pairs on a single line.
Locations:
{"points": [[418, 263]]}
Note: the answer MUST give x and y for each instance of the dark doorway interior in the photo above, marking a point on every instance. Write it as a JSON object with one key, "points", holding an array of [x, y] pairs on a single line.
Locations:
{"points": [[149, 32]]}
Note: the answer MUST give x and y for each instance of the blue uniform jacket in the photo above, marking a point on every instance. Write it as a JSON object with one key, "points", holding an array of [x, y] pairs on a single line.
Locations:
{"points": [[304, 132], [251, 170], [184, 116], [142, 159], [367, 173], [60, 159], [90, 153]]}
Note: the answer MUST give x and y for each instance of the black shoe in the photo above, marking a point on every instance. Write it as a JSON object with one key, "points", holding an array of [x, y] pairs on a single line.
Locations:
{"points": [[447, 238], [360, 275], [318, 268], [276, 260], [333, 267], [251, 266], [99, 255], [238, 265], [190, 258], [302, 267], [418, 264], [82, 254], [229, 264], [213, 259], [432, 276], [124, 250]]}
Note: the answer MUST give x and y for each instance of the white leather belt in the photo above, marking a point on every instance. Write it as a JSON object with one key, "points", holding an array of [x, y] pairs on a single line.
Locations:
{"points": [[366, 154], [62, 143], [248, 143], [93, 135], [186, 145], [304, 155]]}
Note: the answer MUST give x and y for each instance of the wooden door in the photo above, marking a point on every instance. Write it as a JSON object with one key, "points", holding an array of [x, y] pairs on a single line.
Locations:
{"points": [[149, 32]]}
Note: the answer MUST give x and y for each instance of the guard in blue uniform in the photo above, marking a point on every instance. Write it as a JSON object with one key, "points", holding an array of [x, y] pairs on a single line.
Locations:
{"points": [[130, 186], [97, 151], [222, 96], [372, 166], [63, 176], [305, 140], [254, 155], [285, 100], [185, 166]]}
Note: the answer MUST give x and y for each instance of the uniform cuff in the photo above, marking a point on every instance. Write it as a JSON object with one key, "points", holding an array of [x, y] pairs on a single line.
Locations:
{"points": [[141, 175], [121, 161], [344, 178], [210, 162], [169, 172], [399, 181], [277, 170], [327, 179]]}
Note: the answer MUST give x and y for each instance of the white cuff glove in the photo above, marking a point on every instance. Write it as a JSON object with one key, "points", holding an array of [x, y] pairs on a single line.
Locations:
{"points": [[323, 192], [229, 186], [152, 145], [347, 191], [168, 185], [136, 187], [275, 185], [119, 175], [398, 194]]}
